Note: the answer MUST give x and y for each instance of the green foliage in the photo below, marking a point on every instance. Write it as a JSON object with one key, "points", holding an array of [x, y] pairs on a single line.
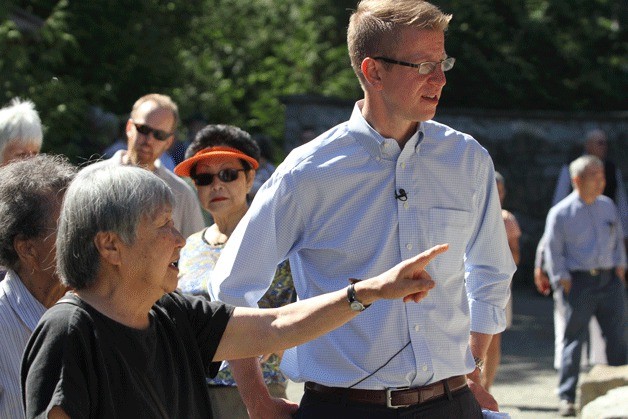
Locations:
{"points": [[233, 60], [538, 54], [241, 58]]}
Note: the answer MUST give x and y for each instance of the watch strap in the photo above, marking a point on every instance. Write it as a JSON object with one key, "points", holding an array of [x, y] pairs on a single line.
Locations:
{"points": [[354, 303]]}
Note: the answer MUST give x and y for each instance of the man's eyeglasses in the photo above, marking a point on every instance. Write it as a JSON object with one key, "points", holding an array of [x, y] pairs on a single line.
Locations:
{"points": [[157, 133], [225, 175], [425, 68]]}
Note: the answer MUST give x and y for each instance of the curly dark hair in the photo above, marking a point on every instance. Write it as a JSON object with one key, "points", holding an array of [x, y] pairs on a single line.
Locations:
{"points": [[224, 135], [29, 192]]}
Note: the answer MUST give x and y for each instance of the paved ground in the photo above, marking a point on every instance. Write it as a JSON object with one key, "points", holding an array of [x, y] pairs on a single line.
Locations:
{"points": [[525, 383]]}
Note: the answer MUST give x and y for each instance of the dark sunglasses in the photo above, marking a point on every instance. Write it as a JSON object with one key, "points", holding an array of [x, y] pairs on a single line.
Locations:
{"points": [[225, 175], [157, 133]]}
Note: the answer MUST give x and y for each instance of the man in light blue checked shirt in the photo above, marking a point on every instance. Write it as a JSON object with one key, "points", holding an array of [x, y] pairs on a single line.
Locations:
{"points": [[372, 191], [586, 262]]}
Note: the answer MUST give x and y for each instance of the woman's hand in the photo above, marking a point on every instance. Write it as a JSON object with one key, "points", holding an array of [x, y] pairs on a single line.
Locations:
{"points": [[407, 280]]}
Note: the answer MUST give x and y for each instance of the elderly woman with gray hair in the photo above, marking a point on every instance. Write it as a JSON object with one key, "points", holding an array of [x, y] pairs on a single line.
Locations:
{"points": [[20, 131], [31, 191], [125, 344]]}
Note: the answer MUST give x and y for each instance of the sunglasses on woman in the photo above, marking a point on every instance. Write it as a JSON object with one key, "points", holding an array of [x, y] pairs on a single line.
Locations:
{"points": [[225, 175]]}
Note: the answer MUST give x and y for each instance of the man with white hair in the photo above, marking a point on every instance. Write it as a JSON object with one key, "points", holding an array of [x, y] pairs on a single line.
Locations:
{"points": [[20, 131], [586, 261], [596, 144]]}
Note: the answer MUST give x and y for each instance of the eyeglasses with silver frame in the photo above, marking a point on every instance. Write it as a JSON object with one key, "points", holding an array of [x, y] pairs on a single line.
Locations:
{"points": [[424, 68]]}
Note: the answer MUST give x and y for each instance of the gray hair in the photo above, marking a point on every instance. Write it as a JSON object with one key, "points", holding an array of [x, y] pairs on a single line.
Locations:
{"points": [[578, 166], [19, 122], [29, 192], [112, 198]]}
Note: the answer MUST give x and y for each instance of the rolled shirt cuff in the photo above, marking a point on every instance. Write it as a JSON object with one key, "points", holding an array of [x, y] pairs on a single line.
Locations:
{"points": [[487, 318]]}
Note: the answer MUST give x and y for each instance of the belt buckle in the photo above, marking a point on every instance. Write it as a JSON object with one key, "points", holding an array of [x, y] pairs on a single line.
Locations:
{"points": [[594, 272], [389, 397]]}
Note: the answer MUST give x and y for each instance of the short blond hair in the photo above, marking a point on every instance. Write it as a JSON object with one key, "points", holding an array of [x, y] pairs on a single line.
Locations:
{"points": [[162, 101], [377, 24]]}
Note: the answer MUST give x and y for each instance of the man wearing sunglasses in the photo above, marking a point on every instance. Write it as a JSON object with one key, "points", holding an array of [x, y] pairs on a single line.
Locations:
{"points": [[363, 196], [150, 133]]}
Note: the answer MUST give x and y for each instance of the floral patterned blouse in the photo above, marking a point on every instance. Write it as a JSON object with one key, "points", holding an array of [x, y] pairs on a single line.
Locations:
{"points": [[198, 257]]}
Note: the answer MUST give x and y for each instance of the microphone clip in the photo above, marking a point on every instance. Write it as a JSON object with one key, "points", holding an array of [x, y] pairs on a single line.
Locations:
{"points": [[401, 195]]}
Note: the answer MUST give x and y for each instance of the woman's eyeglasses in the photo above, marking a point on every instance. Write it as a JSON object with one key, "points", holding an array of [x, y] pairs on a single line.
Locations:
{"points": [[225, 175]]}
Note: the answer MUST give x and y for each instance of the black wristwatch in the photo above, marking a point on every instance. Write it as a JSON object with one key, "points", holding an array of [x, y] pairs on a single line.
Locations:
{"points": [[354, 303]]}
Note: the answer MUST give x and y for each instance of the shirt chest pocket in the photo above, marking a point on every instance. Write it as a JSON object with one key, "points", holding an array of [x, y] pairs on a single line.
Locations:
{"points": [[451, 226]]}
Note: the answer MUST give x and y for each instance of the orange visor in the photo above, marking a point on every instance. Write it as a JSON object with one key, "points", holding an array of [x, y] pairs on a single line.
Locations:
{"points": [[185, 167]]}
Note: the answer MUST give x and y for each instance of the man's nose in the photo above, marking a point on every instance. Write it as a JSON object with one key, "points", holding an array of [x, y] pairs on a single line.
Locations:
{"points": [[438, 76]]}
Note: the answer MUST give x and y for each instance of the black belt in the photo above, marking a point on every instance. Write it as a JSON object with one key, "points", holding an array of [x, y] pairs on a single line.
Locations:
{"points": [[393, 398], [594, 271]]}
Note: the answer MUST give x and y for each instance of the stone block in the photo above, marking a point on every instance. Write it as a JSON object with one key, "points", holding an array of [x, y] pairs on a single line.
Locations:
{"points": [[612, 405], [600, 380]]}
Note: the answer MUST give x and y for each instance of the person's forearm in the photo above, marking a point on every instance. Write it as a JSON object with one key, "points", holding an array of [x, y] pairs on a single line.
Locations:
{"points": [[247, 373], [284, 327], [253, 332], [479, 343]]}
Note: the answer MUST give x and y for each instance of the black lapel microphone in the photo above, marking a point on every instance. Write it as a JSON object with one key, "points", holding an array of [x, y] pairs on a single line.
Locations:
{"points": [[402, 196]]}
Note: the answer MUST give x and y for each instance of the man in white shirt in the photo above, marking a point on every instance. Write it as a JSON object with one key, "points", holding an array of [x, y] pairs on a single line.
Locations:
{"points": [[366, 194], [150, 132]]}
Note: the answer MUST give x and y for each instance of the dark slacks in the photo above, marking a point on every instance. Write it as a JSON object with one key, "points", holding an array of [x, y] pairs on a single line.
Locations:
{"points": [[461, 405], [601, 296]]}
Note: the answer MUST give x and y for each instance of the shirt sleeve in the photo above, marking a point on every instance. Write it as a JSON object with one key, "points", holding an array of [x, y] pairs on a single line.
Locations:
{"points": [[208, 320], [622, 202], [193, 221], [563, 185], [270, 229], [538, 256], [54, 371], [555, 258], [619, 257], [489, 264], [513, 231]]}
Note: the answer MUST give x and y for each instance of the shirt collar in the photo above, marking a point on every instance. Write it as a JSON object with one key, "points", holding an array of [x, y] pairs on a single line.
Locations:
{"points": [[377, 145], [28, 309]]}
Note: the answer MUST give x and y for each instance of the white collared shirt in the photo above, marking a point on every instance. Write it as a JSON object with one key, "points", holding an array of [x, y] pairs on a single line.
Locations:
{"points": [[330, 208], [19, 314]]}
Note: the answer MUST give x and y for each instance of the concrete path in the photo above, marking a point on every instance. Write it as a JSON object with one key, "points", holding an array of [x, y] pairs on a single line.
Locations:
{"points": [[525, 383]]}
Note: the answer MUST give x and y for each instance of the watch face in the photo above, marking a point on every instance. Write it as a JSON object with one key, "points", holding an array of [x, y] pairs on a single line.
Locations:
{"points": [[357, 306]]}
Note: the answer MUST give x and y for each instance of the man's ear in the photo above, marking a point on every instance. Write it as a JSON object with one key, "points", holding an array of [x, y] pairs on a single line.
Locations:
{"points": [[372, 72], [129, 128], [109, 247], [170, 141]]}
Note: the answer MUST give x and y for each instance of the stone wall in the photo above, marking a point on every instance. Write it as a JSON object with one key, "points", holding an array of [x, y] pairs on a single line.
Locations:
{"points": [[528, 148]]}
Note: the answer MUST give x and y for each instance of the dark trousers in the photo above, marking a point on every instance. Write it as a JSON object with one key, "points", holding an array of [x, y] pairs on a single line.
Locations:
{"points": [[460, 404], [601, 296]]}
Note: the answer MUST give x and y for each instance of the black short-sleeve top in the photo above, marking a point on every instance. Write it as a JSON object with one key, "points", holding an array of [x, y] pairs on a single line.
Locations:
{"points": [[94, 367]]}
